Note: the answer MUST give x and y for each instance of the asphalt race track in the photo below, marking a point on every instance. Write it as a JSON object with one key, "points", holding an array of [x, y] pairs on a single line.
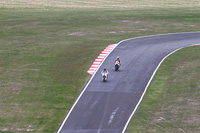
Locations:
{"points": [[106, 107]]}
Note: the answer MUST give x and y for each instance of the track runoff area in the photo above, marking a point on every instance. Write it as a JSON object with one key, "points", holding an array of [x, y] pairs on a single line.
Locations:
{"points": [[108, 107]]}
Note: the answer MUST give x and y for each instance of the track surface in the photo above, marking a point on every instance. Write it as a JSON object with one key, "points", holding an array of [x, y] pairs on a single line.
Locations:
{"points": [[105, 107]]}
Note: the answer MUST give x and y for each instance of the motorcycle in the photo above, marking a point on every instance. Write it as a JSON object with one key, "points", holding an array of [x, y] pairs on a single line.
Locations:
{"points": [[104, 76], [117, 65]]}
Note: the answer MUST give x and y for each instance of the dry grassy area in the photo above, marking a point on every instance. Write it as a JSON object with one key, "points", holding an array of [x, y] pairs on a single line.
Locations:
{"points": [[121, 4]]}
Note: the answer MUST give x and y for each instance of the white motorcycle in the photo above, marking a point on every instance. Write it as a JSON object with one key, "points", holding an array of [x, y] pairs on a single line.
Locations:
{"points": [[117, 65], [104, 76]]}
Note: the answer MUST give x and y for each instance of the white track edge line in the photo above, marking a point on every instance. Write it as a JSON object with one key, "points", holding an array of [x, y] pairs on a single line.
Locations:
{"points": [[83, 91], [157, 35], [125, 127]]}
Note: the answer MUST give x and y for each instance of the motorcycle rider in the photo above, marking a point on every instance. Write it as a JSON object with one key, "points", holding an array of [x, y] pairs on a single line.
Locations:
{"points": [[117, 59], [104, 71]]}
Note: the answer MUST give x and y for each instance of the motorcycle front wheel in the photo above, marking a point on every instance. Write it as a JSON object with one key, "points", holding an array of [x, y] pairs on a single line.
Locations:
{"points": [[116, 67]]}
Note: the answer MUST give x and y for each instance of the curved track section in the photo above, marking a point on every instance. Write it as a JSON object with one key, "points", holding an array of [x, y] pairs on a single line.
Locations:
{"points": [[106, 107]]}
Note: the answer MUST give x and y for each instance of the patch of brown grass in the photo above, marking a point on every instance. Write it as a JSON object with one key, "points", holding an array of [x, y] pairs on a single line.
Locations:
{"points": [[98, 3]]}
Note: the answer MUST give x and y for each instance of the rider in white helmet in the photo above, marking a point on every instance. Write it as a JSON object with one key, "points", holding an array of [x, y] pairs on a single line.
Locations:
{"points": [[117, 59], [104, 71]]}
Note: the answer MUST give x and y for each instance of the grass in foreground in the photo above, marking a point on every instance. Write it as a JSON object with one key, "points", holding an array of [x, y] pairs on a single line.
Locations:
{"points": [[47, 47], [172, 101]]}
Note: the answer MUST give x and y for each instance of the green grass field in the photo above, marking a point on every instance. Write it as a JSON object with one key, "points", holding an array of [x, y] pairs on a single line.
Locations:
{"points": [[46, 47]]}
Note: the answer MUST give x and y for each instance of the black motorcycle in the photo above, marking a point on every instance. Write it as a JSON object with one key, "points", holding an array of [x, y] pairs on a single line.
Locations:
{"points": [[117, 65]]}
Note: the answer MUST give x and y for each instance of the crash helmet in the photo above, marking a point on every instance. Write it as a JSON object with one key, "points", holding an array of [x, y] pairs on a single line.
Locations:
{"points": [[117, 57], [104, 69]]}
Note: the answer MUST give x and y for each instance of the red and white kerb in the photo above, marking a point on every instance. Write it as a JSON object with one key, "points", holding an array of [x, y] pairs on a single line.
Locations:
{"points": [[100, 58]]}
